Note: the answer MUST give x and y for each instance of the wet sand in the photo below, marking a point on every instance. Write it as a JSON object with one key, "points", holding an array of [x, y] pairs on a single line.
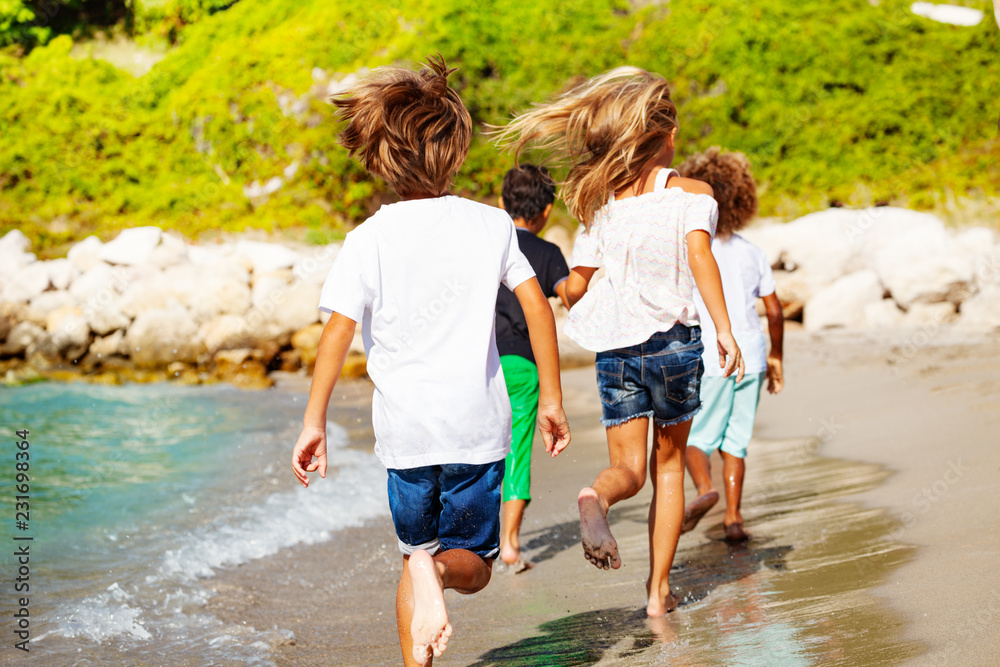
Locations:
{"points": [[868, 497]]}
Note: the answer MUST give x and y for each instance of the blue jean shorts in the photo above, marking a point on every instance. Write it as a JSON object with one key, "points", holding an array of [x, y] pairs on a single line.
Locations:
{"points": [[659, 378], [444, 507]]}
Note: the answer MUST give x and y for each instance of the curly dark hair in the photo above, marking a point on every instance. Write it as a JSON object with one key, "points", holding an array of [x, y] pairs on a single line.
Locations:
{"points": [[730, 176], [527, 190]]}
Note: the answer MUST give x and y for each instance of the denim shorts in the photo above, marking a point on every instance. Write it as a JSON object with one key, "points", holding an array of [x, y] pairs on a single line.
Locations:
{"points": [[444, 507], [659, 378]]}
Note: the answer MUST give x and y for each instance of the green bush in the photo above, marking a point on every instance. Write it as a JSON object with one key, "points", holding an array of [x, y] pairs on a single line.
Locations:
{"points": [[832, 99]]}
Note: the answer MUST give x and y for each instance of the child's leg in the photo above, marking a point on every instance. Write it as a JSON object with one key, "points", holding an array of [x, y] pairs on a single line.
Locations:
{"points": [[734, 450], [510, 540], [624, 479], [666, 471], [707, 432], [733, 469], [521, 377], [421, 615]]}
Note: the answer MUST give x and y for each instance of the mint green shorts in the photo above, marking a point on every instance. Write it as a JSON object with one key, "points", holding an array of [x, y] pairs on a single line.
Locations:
{"points": [[522, 386], [728, 410]]}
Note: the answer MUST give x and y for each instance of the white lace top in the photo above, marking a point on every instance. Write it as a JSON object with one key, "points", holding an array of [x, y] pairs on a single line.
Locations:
{"points": [[647, 287]]}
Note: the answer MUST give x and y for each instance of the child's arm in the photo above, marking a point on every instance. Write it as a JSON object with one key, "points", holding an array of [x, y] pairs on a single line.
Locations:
{"points": [[709, 282], [333, 346], [776, 328], [561, 293], [542, 331], [577, 283]]}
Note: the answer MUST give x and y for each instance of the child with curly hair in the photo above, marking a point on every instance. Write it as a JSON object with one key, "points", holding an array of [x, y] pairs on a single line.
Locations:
{"points": [[725, 423]]}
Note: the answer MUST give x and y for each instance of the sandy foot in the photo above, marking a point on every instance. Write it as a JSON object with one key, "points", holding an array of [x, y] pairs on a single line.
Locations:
{"points": [[430, 628], [698, 509], [509, 554], [735, 532], [657, 607], [599, 545]]}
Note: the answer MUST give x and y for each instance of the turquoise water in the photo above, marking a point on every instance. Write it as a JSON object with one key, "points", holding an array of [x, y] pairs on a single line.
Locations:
{"points": [[139, 494]]}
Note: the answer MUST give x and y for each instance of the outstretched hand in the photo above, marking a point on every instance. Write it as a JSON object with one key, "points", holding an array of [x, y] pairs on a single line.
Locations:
{"points": [[730, 357], [554, 427], [311, 443]]}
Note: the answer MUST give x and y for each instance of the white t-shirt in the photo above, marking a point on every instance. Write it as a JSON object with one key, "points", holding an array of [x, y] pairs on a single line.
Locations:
{"points": [[746, 276], [642, 244], [422, 278]]}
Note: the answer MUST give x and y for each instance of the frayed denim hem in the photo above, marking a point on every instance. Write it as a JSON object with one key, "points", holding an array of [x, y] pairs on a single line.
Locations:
{"points": [[607, 423], [679, 420]]}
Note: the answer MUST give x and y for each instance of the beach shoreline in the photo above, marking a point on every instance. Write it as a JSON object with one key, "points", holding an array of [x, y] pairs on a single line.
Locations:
{"points": [[862, 415]]}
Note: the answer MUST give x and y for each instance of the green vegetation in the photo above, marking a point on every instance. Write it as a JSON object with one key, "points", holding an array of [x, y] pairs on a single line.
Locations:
{"points": [[831, 99]]}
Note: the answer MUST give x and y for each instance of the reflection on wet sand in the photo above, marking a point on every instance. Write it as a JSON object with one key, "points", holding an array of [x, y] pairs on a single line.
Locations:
{"points": [[795, 594]]}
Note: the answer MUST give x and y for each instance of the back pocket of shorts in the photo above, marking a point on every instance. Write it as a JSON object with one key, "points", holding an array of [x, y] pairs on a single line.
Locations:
{"points": [[609, 380], [682, 387]]}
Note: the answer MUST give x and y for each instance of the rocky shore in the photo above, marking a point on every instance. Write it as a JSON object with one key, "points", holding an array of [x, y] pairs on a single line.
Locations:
{"points": [[148, 306]]}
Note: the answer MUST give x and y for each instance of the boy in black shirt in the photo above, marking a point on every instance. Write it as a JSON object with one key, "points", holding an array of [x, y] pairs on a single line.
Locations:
{"points": [[527, 195]]}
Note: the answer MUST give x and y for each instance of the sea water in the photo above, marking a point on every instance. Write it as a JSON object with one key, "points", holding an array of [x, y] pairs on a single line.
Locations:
{"points": [[139, 494]]}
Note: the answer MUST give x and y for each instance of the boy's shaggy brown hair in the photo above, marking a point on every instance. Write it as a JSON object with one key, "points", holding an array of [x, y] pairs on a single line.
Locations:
{"points": [[730, 176], [408, 128]]}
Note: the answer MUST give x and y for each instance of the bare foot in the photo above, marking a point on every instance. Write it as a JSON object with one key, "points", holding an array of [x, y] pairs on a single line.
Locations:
{"points": [[735, 533], [599, 545], [698, 509], [509, 553], [662, 606], [430, 628]]}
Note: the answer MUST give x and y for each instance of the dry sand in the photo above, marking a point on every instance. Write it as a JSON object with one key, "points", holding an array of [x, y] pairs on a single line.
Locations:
{"points": [[869, 495]]}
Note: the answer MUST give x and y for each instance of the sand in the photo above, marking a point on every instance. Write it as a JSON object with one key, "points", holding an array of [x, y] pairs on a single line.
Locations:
{"points": [[868, 497]]}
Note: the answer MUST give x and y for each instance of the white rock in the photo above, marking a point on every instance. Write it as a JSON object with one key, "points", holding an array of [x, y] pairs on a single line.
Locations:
{"points": [[100, 283], [14, 242], [132, 246], [987, 268], [21, 337], [108, 345], [105, 316], [201, 290], [818, 248], [14, 256], [226, 332], [47, 302], [86, 254], [981, 312], [922, 315], [266, 257], [313, 268], [283, 305], [917, 260], [843, 303], [27, 283], [172, 250], [884, 314], [62, 272], [68, 332], [951, 14], [163, 335]]}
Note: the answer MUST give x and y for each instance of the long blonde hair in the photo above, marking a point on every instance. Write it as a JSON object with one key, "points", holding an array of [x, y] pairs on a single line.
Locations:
{"points": [[606, 130]]}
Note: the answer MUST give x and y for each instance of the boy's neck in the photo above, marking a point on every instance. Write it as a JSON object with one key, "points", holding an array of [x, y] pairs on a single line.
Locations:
{"points": [[414, 197]]}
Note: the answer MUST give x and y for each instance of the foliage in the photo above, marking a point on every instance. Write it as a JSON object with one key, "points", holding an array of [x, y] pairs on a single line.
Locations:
{"points": [[831, 99]]}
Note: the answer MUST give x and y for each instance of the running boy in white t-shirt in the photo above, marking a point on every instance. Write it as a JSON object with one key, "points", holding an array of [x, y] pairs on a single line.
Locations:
{"points": [[421, 276], [729, 407]]}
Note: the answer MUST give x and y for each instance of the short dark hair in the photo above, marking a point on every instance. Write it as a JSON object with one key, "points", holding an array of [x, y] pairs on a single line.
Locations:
{"points": [[527, 190], [408, 128], [732, 181]]}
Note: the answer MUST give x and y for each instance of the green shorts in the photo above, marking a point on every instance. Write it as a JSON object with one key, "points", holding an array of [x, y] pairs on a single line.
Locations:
{"points": [[522, 386]]}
